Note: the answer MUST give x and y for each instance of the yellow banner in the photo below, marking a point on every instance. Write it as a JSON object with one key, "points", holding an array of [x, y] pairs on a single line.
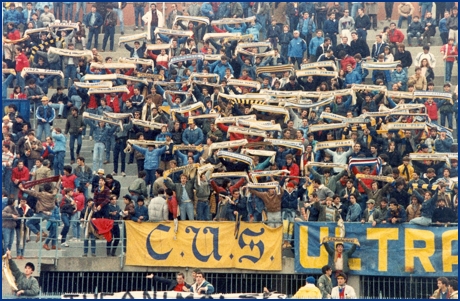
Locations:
{"points": [[204, 245]]}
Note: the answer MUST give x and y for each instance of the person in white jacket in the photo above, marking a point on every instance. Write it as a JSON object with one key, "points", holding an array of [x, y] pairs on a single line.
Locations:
{"points": [[158, 207], [342, 290], [153, 19], [339, 157]]}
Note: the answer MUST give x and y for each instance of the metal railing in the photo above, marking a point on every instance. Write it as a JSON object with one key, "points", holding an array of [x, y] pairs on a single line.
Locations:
{"points": [[397, 287]]}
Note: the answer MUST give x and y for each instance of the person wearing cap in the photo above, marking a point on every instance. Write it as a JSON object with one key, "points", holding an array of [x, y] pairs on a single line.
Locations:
{"points": [[371, 214], [308, 291], [26, 284], [325, 282], [343, 290], [45, 115], [95, 180]]}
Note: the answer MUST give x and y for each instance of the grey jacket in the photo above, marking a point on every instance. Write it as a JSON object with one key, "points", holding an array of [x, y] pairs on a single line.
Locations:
{"points": [[377, 215], [325, 285], [345, 256], [177, 187], [203, 191], [332, 184]]}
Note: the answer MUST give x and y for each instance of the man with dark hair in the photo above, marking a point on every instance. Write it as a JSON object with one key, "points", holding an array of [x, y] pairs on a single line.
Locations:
{"points": [[75, 127], [27, 285], [93, 21], [110, 22], [342, 290], [177, 285], [442, 292], [201, 286], [325, 282], [443, 214], [396, 214], [453, 289], [338, 258]]}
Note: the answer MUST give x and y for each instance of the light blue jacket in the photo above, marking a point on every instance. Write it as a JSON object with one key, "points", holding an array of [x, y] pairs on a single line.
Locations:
{"points": [[314, 44], [59, 142], [297, 47], [152, 158]]}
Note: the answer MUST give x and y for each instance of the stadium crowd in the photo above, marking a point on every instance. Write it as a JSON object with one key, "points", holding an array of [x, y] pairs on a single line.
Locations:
{"points": [[274, 112]]}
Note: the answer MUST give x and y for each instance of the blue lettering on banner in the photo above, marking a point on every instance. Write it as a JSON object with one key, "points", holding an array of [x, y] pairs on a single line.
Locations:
{"points": [[259, 244], [150, 250], [215, 243]]}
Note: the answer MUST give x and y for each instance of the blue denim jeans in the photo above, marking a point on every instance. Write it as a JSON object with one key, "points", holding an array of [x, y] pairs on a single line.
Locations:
{"points": [[93, 244], [58, 106], [109, 32], [401, 18], [20, 81], [8, 236], [202, 211], [58, 165], [150, 178], [98, 155], [34, 224], [447, 116], [75, 224], [43, 127], [362, 34], [93, 32], [138, 13], [152, 34], [65, 217], [118, 151], [448, 72], [19, 250], [120, 18], [72, 145], [80, 6], [68, 11], [52, 234], [411, 35], [69, 72], [186, 210], [426, 7]]}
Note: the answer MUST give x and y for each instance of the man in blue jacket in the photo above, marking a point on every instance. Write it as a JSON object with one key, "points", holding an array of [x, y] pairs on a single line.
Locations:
{"points": [[296, 49], [306, 27], [331, 29], [137, 51], [12, 15], [151, 162], [45, 116], [219, 67], [59, 151], [314, 44], [192, 135], [93, 21]]}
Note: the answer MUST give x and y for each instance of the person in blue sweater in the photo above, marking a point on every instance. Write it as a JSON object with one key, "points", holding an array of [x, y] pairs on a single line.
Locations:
{"points": [[399, 77], [192, 135], [443, 143], [59, 151], [314, 44], [331, 29], [428, 206], [141, 213], [12, 15], [151, 162], [219, 67], [443, 29], [254, 29], [238, 28], [306, 27], [296, 49], [352, 77]]}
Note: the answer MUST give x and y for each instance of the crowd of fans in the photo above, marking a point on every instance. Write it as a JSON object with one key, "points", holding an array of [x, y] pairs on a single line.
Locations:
{"points": [[419, 192]]}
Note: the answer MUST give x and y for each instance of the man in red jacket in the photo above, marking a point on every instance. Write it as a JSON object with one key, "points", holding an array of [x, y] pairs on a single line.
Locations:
{"points": [[432, 110], [20, 174], [21, 62], [395, 35], [294, 170]]}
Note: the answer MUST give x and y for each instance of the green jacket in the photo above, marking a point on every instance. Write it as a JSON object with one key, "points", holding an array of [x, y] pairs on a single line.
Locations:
{"points": [[345, 254], [325, 285], [28, 285]]}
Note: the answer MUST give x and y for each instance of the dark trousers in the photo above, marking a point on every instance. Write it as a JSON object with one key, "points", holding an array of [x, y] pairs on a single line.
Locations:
{"points": [[112, 245], [72, 145], [389, 9], [93, 32], [118, 150], [140, 165], [152, 34], [109, 32]]}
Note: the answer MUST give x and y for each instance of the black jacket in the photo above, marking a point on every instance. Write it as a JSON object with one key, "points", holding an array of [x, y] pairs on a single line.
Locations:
{"points": [[361, 47]]}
